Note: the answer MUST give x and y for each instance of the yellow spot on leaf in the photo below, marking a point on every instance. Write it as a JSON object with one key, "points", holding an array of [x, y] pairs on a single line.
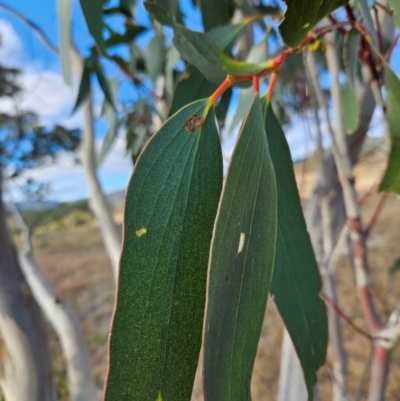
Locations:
{"points": [[241, 242], [159, 398], [141, 232]]}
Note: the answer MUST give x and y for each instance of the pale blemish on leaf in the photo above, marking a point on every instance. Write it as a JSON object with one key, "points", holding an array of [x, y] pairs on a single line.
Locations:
{"points": [[159, 398], [141, 232], [241, 242]]}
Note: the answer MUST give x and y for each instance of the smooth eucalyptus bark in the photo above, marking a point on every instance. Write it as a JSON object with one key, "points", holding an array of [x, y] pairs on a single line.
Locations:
{"points": [[25, 365]]}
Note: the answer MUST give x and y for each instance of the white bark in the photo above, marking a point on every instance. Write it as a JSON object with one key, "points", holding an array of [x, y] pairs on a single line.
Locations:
{"points": [[25, 364], [66, 324], [62, 317], [292, 386]]}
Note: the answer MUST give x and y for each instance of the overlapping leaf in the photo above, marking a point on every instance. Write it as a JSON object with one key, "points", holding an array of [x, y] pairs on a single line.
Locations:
{"points": [[350, 109], [64, 8], [302, 15], [93, 12], [240, 267], [296, 281], [350, 54], [395, 5], [199, 49], [216, 13], [391, 179], [170, 208], [155, 57]]}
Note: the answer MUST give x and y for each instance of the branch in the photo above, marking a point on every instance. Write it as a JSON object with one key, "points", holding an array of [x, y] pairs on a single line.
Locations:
{"points": [[35, 27]]}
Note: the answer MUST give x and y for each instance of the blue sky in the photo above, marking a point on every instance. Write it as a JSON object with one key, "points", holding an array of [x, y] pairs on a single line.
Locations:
{"points": [[48, 96]]}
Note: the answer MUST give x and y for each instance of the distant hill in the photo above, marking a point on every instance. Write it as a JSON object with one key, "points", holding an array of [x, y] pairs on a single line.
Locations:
{"points": [[35, 205]]}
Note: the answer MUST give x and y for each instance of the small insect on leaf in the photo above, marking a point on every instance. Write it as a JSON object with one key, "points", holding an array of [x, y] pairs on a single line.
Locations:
{"points": [[194, 122]]}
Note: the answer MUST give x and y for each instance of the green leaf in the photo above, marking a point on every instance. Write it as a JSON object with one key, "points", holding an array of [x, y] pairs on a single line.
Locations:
{"points": [[350, 109], [104, 84], [172, 6], [391, 179], [131, 31], [93, 12], [155, 57], [296, 281], [160, 14], [395, 267], [128, 5], [395, 5], [240, 267], [170, 208], [350, 54], [110, 115], [192, 86], [199, 49], [302, 15], [216, 13], [226, 36], [368, 21], [84, 86], [257, 54], [64, 8], [172, 58]]}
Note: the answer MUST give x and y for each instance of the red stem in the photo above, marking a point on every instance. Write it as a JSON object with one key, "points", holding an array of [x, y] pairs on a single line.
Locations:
{"points": [[271, 86], [256, 85], [379, 372], [346, 318], [376, 214]]}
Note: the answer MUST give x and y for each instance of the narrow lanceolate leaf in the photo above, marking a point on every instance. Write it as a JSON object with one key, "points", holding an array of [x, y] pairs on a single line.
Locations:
{"points": [[241, 262], [170, 209], [391, 179], [216, 13], [302, 15], [84, 86], [64, 8], [350, 54], [131, 31], [103, 82], [296, 281], [93, 12], [395, 5], [155, 57], [350, 109], [193, 85], [368, 21], [199, 49]]}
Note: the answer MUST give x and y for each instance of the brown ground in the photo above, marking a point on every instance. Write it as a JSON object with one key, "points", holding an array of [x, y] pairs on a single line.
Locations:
{"points": [[75, 262]]}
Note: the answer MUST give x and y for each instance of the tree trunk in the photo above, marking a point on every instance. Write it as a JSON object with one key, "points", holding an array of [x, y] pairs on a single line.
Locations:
{"points": [[62, 317], [97, 200], [25, 363]]}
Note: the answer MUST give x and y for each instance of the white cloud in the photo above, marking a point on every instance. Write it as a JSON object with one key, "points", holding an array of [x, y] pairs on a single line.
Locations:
{"points": [[46, 94]]}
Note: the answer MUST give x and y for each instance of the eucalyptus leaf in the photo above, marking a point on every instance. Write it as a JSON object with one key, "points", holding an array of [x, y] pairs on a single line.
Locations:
{"points": [[350, 54], [368, 21], [170, 209], [104, 84], [131, 31], [395, 5], [241, 262], [155, 56], [302, 15], [216, 13], [296, 281], [391, 179], [84, 86], [350, 109], [93, 12], [64, 9]]}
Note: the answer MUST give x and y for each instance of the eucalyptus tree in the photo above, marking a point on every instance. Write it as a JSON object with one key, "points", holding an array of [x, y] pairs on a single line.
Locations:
{"points": [[250, 230]]}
